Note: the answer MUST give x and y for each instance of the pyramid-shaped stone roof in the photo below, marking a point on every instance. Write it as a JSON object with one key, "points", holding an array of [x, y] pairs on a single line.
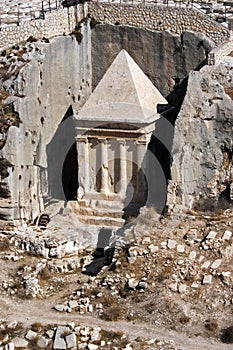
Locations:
{"points": [[124, 95]]}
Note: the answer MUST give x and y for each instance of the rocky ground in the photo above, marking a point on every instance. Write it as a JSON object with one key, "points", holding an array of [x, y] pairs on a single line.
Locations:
{"points": [[163, 284]]}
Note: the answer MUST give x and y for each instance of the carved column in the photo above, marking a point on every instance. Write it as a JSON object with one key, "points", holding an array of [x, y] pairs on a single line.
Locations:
{"points": [[122, 168], [83, 165], [141, 148], [104, 185]]}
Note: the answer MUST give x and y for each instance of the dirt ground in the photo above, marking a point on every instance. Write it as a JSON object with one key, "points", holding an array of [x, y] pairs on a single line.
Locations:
{"points": [[157, 311]]}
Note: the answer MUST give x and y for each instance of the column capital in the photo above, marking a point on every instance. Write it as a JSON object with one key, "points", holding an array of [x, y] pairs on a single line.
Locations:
{"points": [[143, 140], [102, 140], [81, 139], [121, 141]]}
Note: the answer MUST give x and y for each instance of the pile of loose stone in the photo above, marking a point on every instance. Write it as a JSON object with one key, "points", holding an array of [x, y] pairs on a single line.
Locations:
{"points": [[72, 336]]}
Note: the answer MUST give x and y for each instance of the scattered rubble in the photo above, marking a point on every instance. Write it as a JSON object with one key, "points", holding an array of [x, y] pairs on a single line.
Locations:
{"points": [[78, 336], [171, 273]]}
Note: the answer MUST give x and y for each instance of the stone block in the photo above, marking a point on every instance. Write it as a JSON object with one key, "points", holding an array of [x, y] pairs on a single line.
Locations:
{"points": [[227, 235], [20, 342], [163, 244], [207, 279], [42, 342], [73, 304], [142, 285], [211, 235], [180, 248], [9, 346], [50, 333], [171, 244], [182, 288], [173, 286], [132, 283], [132, 252], [153, 248], [192, 255], [205, 265], [59, 341], [216, 264], [95, 334], [191, 235], [71, 341], [92, 346], [60, 307], [31, 335]]}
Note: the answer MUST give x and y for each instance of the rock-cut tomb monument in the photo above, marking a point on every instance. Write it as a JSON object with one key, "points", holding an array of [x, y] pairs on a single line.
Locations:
{"points": [[116, 173]]}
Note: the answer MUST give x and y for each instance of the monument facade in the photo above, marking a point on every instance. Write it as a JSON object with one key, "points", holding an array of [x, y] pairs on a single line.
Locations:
{"points": [[113, 129]]}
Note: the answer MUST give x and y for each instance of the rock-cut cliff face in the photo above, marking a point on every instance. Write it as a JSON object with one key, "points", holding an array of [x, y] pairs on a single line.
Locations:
{"points": [[200, 142], [166, 58], [202, 169], [47, 81]]}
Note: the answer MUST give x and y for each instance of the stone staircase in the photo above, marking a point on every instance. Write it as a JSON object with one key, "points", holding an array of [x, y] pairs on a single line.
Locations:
{"points": [[98, 213]]}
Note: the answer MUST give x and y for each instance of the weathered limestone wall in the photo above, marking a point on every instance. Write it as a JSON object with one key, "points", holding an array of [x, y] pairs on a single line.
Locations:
{"points": [[55, 79], [163, 56], [58, 22], [176, 20], [202, 167]]}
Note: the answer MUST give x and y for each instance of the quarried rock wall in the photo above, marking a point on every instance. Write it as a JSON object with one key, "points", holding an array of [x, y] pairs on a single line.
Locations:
{"points": [[202, 168], [166, 58], [54, 81]]}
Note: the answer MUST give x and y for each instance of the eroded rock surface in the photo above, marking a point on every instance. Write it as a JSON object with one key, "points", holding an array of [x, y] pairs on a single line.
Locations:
{"points": [[45, 82], [202, 148]]}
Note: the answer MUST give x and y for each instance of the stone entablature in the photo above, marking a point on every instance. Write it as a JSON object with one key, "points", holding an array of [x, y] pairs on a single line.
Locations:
{"points": [[176, 20]]}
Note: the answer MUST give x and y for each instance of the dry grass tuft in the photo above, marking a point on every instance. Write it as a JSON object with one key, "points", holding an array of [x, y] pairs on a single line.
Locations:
{"points": [[36, 327], [113, 313], [4, 245], [229, 92]]}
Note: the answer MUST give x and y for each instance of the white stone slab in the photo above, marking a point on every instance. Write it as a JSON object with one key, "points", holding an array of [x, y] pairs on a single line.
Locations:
{"points": [[227, 235]]}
